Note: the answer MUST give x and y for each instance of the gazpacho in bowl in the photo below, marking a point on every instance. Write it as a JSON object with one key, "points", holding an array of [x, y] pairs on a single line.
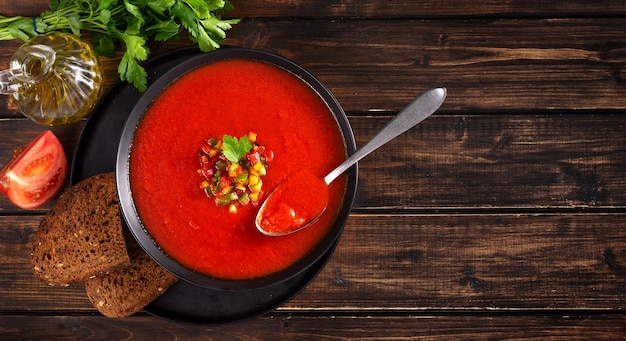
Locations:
{"points": [[203, 147]]}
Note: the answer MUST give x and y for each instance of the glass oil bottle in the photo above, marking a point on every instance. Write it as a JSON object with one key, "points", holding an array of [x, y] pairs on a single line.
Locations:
{"points": [[55, 79]]}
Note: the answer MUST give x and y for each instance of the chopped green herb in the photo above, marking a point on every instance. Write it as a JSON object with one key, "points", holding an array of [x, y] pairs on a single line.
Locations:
{"points": [[234, 150]]}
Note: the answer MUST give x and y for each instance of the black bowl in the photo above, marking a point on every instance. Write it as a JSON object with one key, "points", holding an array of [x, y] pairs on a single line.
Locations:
{"points": [[133, 219]]}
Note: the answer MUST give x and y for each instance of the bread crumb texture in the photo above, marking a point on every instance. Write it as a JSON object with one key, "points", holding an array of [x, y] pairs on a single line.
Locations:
{"points": [[126, 291], [82, 235]]}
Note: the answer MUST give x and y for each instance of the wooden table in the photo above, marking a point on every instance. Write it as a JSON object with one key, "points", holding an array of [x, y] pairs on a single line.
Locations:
{"points": [[503, 216]]}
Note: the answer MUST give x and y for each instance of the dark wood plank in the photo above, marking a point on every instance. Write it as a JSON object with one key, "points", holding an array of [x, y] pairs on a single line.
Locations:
{"points": [[10, 8], [290, 327], [526, 261], [427, 8], [494, 161], [416, 263], [458, 162], [501, 217], [18, 286], [381, 65], [385, 9]]}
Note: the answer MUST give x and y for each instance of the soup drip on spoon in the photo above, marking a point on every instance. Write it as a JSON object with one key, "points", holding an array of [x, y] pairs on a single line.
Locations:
{"points": [[291, 207]]}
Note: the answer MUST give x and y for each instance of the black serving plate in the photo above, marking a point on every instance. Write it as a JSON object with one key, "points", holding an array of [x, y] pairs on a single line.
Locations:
{"points": [[96, 153]]}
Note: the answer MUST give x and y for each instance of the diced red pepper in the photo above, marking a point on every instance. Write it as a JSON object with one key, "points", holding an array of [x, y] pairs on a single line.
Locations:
{"points": [[254, 158], [269, 155]]}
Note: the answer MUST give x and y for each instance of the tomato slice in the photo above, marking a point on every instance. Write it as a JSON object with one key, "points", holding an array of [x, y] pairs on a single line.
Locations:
{"points": [[36, 173]]}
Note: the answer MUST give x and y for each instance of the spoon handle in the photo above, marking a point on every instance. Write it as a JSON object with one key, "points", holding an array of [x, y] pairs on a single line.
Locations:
{"points": [[417, 111]]}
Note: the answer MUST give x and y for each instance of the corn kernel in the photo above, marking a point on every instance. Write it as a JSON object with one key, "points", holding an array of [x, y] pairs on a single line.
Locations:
{"points": [[253, 180], [254, 196], [257, 187], [260, 168], [232, 208], [204, 184]]}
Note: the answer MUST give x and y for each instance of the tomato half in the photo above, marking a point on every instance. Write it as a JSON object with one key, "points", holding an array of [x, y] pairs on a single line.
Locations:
{"points": [[36, 173]]}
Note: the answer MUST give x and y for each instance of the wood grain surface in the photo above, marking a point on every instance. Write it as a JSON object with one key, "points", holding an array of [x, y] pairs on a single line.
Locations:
{"points": [[503, 216]]}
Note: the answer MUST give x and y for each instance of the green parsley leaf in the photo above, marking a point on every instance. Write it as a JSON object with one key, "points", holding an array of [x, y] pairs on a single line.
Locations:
{"points": [[103, 44], [161, 6], [186, 16], [164, 30], [234, 150], [205, 43], [74, 23], [133, 9], [132, 72], [21, 29], [105, 16], [215, 5], [106, 4]]}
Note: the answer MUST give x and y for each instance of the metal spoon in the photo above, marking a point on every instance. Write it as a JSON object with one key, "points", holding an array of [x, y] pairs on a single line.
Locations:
{"points": [[283, 219]]}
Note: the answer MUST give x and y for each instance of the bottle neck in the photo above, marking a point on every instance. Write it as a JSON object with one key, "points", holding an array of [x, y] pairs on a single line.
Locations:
{"points": [[32, 63]]}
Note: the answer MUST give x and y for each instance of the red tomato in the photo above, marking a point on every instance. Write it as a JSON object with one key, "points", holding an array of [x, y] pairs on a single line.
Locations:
{"points": [[36, 173]]}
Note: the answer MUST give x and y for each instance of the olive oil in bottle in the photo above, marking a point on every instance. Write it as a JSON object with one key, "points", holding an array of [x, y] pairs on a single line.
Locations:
{"points": [[54, 79]]}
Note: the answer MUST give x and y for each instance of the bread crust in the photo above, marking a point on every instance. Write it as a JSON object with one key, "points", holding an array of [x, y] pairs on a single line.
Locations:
{"points": [[82, 235], [125, 291]]}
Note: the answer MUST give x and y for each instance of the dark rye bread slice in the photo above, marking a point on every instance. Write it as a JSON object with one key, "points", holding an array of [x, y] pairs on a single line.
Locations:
{"points": [[125, 291], [82, 235]]}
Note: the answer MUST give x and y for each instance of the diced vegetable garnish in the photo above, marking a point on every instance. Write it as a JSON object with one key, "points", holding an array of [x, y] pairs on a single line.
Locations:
{"points": [[231, 170]]}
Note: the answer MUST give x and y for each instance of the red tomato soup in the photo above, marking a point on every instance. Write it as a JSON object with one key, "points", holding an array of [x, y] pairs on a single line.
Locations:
{"points": [[231, 97]]}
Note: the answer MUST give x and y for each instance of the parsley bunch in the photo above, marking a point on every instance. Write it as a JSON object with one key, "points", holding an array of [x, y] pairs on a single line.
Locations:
{"points": [[129, 23]]}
